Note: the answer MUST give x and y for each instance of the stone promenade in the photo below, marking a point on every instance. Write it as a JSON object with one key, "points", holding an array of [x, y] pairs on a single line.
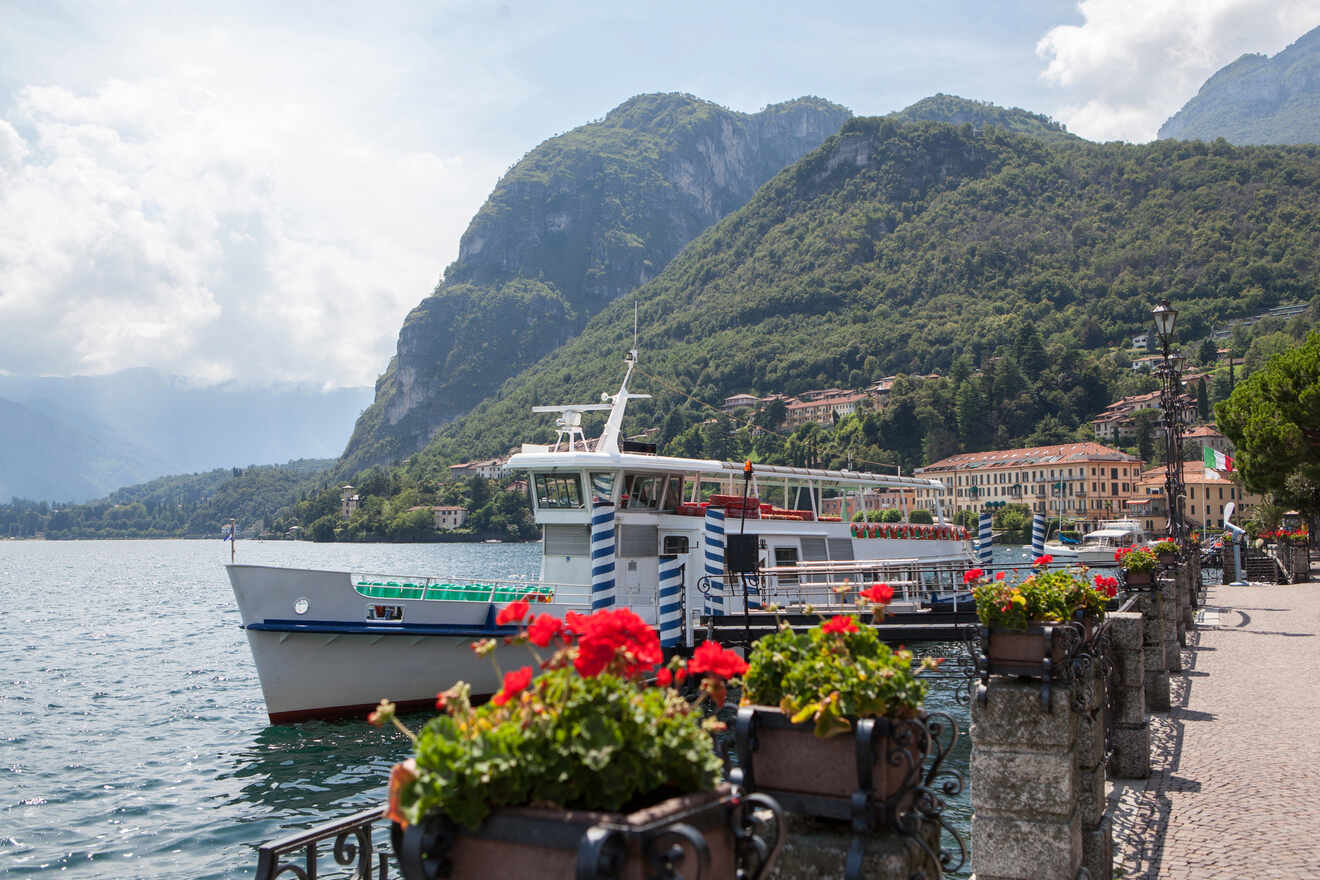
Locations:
{"points": [[1235, 785]]}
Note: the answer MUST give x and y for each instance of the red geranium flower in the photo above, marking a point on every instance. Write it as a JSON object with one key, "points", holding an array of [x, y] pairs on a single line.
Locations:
{"points": [[839, 624], [999, 576], [575, 623], [972, 574], [610, 634], [1043, 560], [664, 677], [543, 629], [514, 612], [711, 659], [514, 683], [881, 594]]}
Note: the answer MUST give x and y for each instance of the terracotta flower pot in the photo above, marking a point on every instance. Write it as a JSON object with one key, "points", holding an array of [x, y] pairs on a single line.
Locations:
{"points": [[814, 776], [698, 831]]}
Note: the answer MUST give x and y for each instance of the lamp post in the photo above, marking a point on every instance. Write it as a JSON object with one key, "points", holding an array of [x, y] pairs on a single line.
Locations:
{"points": [[1170, 392]]}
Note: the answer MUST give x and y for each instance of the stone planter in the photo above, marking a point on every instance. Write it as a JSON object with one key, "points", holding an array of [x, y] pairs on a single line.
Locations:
{"points": [[878, 764], [710, 834], [1166, 558]]}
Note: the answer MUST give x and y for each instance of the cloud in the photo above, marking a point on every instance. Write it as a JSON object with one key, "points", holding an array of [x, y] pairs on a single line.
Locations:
{"points": [[1133, 63], [243, 213]]}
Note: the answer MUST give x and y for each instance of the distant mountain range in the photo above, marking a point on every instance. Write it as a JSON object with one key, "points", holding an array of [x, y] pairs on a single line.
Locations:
{"points": [[1257, 100], [72, 439]]}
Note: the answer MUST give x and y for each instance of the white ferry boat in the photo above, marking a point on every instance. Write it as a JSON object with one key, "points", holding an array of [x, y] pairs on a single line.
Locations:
{"points": [[1097, 547], [621, 526]]}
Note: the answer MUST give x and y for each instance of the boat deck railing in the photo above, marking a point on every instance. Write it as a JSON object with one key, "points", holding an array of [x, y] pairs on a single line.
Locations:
{"points": [[837, 583], [486, 590]]}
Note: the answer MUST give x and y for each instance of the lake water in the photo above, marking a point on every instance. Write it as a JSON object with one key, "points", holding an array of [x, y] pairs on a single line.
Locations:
{"points": [[136, 742]]}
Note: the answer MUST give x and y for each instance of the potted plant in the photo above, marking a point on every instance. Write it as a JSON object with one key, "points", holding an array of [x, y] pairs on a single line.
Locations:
{"points": [[1166, 552], [1138, 564], [831, 722], [583, 769], [1021, 623]]}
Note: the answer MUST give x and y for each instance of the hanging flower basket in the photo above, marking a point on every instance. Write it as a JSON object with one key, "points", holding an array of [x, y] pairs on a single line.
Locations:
{"points": [[708, 834]]}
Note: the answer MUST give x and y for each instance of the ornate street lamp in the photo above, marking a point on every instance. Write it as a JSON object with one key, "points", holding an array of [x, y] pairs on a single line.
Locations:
{"points": [[1170, 393]]}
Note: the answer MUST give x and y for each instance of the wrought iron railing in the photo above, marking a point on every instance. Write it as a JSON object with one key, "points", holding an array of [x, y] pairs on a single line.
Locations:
{"points": [[353, 847]]}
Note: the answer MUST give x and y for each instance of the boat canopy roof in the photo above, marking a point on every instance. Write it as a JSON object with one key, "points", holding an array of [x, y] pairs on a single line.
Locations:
{"points": [[543, 458]]}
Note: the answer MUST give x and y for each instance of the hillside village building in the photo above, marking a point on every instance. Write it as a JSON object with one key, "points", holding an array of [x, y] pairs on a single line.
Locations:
{"points": [[449, 516], [1086, 482], [1117, 423], [489, 469], [824, 409]]}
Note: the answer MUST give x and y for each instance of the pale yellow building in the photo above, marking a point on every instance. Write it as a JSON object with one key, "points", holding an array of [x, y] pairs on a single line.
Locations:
{"points": [[1208, 492], [1085, 482]]}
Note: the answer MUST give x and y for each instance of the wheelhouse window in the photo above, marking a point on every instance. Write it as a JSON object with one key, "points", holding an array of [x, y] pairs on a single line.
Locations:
{"points": [[558, 491], [642, 492]]}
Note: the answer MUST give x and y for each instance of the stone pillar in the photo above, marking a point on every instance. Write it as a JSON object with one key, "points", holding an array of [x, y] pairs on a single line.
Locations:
{"points": [[1089, 702], [1188, 589], [1026, 821], [1230, 572], [1131, 734], [1169, 617], [818, 848], [1151, 606], [1179, 573]]}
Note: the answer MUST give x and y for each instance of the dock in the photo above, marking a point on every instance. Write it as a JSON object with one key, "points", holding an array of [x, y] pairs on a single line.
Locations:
{"points": [[1235, 771]]}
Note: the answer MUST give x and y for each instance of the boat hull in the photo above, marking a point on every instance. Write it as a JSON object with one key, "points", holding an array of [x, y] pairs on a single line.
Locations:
{"points": [[329, 659]]}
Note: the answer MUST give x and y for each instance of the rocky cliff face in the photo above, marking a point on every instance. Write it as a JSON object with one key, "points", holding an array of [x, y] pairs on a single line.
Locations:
{"points": [[583, 219], [1257, 100]]}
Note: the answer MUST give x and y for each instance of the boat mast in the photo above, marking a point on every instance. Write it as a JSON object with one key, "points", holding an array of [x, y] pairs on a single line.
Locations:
{"points": [[609, 438]]}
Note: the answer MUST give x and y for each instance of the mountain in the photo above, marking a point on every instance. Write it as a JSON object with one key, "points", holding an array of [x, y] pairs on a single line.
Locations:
{"points": [[584, 218], [103, 432], [965, 111], [1257, 100], [911, 248], [45, 457]]}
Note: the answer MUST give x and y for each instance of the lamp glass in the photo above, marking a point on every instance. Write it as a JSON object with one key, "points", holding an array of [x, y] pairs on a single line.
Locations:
{"points": [[1165, 315]]}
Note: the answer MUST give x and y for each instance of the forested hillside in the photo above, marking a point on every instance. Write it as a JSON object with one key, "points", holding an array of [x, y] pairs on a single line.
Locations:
{"points": [[923, 247], [956, 110], [582, 219], [188, 505]]}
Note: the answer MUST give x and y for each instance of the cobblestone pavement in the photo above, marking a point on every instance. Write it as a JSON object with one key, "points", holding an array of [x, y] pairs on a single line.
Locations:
{"points": [[1234, 790]]}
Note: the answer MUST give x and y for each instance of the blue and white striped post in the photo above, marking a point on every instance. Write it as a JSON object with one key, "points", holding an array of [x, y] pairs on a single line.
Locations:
{"points": [[985, 540], [670, 617], [714, 551], [1038, 535], [602, 554]]}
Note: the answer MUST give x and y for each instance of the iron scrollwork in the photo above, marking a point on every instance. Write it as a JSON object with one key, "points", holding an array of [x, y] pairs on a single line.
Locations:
{"points": [[902, 745], [352, 846]]}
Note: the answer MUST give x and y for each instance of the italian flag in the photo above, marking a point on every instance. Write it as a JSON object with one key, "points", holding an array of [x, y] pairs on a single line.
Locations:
{"points": [[1213, 458]]}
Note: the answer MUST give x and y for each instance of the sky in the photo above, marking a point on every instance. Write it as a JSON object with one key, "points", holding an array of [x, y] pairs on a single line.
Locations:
{"points": [[257, 192]]}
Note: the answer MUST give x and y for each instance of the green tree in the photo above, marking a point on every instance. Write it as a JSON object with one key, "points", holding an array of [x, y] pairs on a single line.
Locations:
{"points": [[921, 517], [1208, 353], [1273, 417]]}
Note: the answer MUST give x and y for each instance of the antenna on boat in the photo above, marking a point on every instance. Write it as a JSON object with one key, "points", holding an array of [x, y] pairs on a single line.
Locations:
{"points": [[634, 348]]}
